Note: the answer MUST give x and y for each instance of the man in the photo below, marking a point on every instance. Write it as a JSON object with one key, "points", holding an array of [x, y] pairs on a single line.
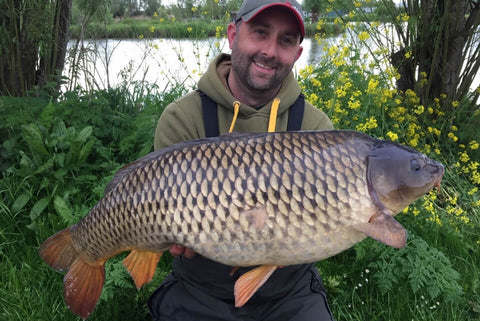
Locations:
{"points": [[253, 90]]}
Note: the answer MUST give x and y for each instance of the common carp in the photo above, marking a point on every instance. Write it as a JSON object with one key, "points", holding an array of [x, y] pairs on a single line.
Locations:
{"points": [[270, 199]]}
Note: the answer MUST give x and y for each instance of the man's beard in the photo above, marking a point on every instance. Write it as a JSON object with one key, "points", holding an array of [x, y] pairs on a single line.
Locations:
{"points": [[241, 65]]}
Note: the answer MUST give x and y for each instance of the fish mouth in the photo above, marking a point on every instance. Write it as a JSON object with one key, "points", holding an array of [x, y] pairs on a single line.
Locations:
{"points": [[437, 183]]}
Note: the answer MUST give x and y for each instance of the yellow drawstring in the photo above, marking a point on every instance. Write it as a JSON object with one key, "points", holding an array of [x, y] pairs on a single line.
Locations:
{"points": [[271, 122], [273, 115], [236, 108]]}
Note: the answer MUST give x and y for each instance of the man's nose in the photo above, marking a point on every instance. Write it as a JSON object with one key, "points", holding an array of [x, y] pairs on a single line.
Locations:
{"points": [[269, 48]]}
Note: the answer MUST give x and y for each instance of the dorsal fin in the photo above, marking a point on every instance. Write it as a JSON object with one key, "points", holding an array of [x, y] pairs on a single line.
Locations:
{"points": [[129, 168]]}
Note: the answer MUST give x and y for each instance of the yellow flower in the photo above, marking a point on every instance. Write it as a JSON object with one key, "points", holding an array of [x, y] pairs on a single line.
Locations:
{"points": [[194, 9], [354, 104], [473, 191], [370, 124], [393, 137], [452, 136], [218, 29], [455, 103], [473, 145], [363, 36], [464, 157], [140, 36], [408, 54], [313, 99], [372, 84], [162, 19], [419, 110], [473, 165], [405, 17], [189, 29], [316, 83], [413, 142], [152, 29], [155, 14], [320, 24]]}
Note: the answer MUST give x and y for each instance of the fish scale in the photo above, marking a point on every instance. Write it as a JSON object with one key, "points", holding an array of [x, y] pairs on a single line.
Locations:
{"points": [[245, 199]]}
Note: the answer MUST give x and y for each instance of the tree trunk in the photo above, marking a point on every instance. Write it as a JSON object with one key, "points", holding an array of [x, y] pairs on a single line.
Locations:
{"points": [[33, 42], [439, 47]]}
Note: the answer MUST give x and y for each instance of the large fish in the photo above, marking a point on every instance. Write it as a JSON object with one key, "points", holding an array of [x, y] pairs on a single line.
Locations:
{"points": [[271, 199]]}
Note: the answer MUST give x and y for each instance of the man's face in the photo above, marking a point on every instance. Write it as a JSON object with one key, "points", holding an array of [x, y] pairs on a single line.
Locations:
{"points": [[265, 49]]}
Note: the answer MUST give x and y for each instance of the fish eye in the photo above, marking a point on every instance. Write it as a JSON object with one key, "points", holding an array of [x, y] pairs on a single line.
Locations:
{"points": [[416, 165]]}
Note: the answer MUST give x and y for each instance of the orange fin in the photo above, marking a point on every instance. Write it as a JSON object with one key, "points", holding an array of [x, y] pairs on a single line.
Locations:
{"points": [[250, 282], [82, 286], [385, 229], [234, 269], [58, 251], [141, 265]]}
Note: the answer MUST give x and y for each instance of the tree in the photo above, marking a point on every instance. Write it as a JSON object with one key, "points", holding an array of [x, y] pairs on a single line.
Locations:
{"points": [[435, 46], [315, 7], [33, 43], [439, 52]]}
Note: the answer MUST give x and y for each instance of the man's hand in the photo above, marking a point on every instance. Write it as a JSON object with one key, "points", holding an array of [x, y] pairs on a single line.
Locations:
{"points": [[177, 250]]}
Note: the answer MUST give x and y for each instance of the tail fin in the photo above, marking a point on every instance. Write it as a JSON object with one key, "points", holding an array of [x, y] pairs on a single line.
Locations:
{"points": [[82, 286], [58, 251], [83, 283]]}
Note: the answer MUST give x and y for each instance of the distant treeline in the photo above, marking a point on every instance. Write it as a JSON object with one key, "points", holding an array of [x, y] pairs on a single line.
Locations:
{"points": [[156, 28]]}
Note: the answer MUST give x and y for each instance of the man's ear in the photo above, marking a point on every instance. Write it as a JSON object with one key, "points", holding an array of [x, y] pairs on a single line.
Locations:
{"points": [[231, 33], [299, 53]]}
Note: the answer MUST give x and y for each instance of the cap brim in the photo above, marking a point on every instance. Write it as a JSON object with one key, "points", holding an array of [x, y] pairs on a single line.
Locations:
{"points": [[249, 16]]}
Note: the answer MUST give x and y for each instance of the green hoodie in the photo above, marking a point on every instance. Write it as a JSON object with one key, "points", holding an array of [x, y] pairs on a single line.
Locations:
{"points": [[182, 120]]}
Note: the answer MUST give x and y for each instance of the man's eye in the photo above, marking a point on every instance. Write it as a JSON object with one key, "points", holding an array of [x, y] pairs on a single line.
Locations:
{"points": [[287, 40]]}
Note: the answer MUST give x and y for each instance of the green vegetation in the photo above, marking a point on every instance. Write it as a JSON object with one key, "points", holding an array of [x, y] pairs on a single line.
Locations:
{"points": [[170, 28], [57, 158]]}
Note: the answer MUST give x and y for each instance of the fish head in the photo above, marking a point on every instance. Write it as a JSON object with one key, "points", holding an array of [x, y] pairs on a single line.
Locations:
{"points": [[398, 175]]}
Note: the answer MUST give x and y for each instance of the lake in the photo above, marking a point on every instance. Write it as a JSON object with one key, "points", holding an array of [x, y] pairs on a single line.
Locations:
{"points": [[165, 62], [108, 63]]}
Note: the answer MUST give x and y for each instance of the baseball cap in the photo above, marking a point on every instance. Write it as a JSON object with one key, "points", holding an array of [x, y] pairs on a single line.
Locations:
{"points": [[251, 8]]}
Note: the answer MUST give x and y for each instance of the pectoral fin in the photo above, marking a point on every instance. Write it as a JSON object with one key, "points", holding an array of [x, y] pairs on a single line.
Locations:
{"points": [[386, 229], [141, 265], [250, 282]]}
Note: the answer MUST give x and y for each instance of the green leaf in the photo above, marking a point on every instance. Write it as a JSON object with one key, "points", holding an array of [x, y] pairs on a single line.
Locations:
{"points": [[21, 201], [39, 206], [84, 134], [48, 114], [85, 151], [63, 209], [32, 135]]}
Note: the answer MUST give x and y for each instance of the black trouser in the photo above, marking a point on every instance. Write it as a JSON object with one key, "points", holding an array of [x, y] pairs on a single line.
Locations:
{"points": [[178, 299]]}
